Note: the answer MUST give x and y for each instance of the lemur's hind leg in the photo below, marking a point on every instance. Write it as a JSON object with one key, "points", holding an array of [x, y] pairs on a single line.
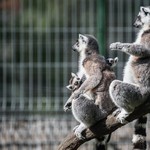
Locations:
{"points": [[126, 96], [122, 116], [79, 129]]}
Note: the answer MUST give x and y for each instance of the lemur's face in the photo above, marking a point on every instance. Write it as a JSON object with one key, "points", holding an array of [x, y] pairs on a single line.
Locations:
{"points": [[143, 19], [81, 43], [112, 62], [74, 82]]}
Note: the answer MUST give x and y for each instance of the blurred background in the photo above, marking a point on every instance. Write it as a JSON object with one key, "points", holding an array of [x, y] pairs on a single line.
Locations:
{"points": [[36, 62]]}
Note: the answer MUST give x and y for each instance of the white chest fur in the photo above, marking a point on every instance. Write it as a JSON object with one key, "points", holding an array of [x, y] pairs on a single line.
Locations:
{"points": [[138, 40], [81, 70], [128, 72]]}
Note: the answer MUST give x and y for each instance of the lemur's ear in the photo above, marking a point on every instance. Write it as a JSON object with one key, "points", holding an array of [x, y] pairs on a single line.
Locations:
{"points": [[81, 36], [145, 10], [73, 74], [69, 87], [116, 59]]}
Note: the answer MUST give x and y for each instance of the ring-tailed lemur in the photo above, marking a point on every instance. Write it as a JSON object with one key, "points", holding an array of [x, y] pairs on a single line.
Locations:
{"points": [[98, 78], [112, 62], [74, 82], [135, 88]]}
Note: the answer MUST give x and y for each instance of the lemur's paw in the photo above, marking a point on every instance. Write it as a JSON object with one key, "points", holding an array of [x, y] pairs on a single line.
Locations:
{"points": [[116, 46], [67, 107], [125, 48], [116, 112], [75, 128], [78, 134], [121, 118]]}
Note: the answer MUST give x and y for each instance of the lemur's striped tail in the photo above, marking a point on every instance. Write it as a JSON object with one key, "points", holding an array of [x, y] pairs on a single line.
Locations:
{"points": [[139, 136], [102, 142]]}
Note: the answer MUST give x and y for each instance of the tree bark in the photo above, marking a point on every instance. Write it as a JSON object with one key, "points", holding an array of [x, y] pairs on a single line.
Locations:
{"points": [[103, 127]]}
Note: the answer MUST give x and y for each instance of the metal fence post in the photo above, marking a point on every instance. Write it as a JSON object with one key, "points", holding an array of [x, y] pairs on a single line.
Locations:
{"points": [[101, 26]]}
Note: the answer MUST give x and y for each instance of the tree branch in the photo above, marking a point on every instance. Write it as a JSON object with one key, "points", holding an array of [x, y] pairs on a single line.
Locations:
{"points": [[103, 127]]}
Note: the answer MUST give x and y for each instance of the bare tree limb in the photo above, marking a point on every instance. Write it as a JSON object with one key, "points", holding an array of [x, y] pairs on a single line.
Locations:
{"points": [[103, 127]]}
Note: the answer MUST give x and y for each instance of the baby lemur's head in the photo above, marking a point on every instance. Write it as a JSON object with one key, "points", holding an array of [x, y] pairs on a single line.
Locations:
{"points": [[143, 19], [86, 44], [74, 82], [112, 62]]}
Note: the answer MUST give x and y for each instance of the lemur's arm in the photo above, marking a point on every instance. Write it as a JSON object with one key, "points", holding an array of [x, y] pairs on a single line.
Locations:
{"points": [[68, 104], [90, 83], [83, 79], [136, 50], [95, 75]]}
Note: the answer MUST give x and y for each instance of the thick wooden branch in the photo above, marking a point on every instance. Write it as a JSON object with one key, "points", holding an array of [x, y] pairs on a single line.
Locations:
{"points": [[103, 127]]}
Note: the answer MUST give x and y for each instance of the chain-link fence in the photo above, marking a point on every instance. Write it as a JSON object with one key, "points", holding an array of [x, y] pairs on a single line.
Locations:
{"points": [[36, 61]]}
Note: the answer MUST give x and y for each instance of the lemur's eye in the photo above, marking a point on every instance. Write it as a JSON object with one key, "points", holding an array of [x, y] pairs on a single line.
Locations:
{"points": [[78, 78], [83, 41], [139, 17], [77, 42], [70, 87], [112, 61], [76, 83]]}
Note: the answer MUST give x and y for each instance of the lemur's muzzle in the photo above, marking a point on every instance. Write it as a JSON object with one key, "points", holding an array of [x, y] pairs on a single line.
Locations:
{"points": [[73, 48], [135, 25]]}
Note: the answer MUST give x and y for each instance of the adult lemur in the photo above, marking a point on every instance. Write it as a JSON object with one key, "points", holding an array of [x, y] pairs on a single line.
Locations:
{"points": [[98, 76], [135, 88]]}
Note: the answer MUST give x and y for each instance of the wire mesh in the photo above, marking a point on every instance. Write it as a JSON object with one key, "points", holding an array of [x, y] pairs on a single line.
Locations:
{"points": [[36, 61]]}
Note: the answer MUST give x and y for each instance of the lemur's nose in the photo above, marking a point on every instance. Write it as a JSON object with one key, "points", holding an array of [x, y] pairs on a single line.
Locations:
{"points": [[72, 47], [135, 25]]}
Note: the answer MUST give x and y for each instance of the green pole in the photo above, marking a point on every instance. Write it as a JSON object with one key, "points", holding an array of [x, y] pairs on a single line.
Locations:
{"points": [[101, 26]]}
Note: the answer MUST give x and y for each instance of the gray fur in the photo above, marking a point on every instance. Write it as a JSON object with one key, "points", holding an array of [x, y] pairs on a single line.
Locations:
{"points": [[85, 112], [139, 136], [98, 75], [135, 88]]}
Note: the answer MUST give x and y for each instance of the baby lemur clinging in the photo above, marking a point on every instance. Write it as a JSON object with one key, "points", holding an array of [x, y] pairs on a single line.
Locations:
{"points": [[135, 88], [98, 76], [74, 82]]}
